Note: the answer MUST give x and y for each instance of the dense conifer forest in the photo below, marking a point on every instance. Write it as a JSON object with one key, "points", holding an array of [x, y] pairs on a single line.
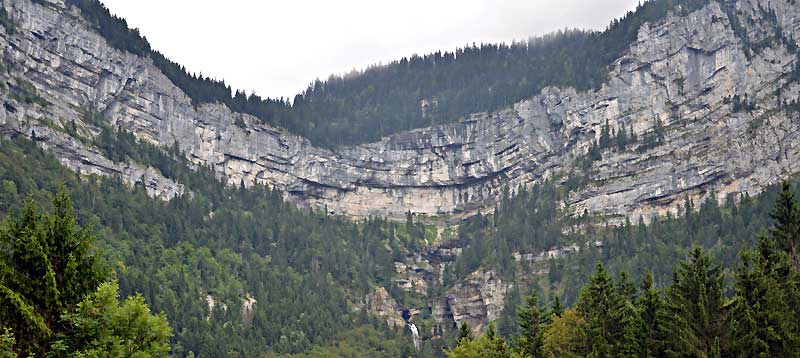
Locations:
{"points": [[225, 244], [691, 317], [228, 244], [239, 272]]}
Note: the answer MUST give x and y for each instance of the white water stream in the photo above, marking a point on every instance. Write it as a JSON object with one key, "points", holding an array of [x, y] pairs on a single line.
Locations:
{"points": [[415, 334]]}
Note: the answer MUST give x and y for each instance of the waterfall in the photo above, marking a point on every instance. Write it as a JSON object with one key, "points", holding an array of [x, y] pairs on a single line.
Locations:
{"points": [[414, 334]]}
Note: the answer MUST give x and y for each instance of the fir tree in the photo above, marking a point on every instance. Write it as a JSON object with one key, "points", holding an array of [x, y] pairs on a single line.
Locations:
{"points": [[531, 324], [786, 226], [464, 333], [696, 317], [763, 322], [46, 267], [651, 310], [51, 297], [557, 309], [600, 305]]}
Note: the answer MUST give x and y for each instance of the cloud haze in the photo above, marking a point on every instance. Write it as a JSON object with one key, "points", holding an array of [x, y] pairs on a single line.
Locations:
{"points": [[277, 47]]}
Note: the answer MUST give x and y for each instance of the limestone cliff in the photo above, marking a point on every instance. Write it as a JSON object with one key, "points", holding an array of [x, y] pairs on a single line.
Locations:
{"points": [[705, 93], [681, 73]]}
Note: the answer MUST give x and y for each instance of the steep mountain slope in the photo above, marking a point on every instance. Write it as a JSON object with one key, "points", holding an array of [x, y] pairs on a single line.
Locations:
{"points": [[679, 89], [706, 99], [414, 92]]}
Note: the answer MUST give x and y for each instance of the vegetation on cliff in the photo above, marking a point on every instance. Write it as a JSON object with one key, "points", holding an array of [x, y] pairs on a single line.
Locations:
{"points": [[413, 92], [692, 317]]}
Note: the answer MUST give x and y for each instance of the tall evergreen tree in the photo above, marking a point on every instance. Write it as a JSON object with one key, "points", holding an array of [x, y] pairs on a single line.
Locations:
{"points": [[51, 297], [786, 226], [600, 304], [557, 309], [46, 267], [531, 323], [696, 316], [464, 333], [651, 310]]}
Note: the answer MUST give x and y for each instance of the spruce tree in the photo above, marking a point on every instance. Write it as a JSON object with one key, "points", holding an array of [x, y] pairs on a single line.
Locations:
{"points": [[53, 297], [557, 309], [46, 268], [696, 317], [632, 340], [786, 225], [464, 333], [600, 305], [496, 346], [531, 324], [651, 310], [763, 321]]}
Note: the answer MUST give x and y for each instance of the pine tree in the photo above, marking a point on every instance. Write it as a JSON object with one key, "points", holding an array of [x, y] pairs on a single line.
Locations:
{"points": [[763, 322], [558, 309], [786, 227], [600, 305], [651, 310], [464, 333], [495, 345], [531, 324], [605, 136], [632, 341], [46, 268], [696, 317], [52, 296], [625, 287]]}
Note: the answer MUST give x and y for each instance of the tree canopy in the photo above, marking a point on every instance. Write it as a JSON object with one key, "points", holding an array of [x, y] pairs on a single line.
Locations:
{"points": [[54, 294]]}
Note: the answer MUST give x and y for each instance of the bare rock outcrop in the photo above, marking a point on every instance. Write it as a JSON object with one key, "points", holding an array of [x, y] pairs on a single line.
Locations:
{"points": [[705, 93], [680, 73]]}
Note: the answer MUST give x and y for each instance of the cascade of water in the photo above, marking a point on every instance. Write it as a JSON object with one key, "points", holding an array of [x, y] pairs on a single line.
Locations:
{"points": [[414, 334]]}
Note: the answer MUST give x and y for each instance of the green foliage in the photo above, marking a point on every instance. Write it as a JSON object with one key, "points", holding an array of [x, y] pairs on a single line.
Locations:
{"points": [[531, 323], [602, 307], [566, 336], [490, 345], [693, 318], [360, 342], [25, 92], [530, 222], [786, 229], [46, 268], [104, 327], [225, 243], [412, 92], [651, 308], [695, 304], [464, 333], [7, 343], [53, 297]]}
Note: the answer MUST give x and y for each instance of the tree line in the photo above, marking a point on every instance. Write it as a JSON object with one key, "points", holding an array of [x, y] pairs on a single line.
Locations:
{"points": [[416, 91], [692, 317]]}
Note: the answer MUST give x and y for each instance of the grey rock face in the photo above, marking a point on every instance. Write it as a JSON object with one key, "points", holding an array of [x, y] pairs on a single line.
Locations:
{"points": [[478, 300], [379, 302], [679, 72]]}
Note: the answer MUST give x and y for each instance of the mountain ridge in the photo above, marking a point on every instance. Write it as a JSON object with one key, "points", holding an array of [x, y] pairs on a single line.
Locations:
{"points": [[455, 169], [703, 106]]}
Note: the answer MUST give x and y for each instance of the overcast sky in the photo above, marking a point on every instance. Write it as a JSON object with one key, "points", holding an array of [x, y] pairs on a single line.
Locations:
{"points": [[276, 48]]}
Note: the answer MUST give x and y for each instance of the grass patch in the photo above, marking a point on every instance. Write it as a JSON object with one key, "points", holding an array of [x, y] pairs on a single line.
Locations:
{"points": [[25, 92]]}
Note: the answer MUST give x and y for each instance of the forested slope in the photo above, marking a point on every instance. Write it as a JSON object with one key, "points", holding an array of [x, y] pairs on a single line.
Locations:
{"points": [[418, 91], [226, 246], [238, 270], [705, 311]]}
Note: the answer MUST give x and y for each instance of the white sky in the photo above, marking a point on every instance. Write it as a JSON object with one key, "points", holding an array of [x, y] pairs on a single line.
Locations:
{"points": [[276, 48]]}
